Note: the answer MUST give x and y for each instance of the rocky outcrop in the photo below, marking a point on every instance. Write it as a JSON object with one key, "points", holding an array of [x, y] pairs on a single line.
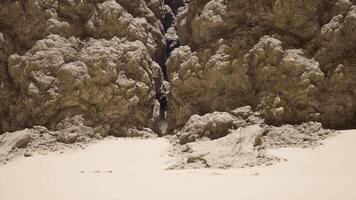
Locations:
{"points": [[303, 135], [214, 125], [109, 82], [293, 61], [94, 59], [235, 150], [104, 61], [133, 20], [72, 133], [221, 140], [217, 124]]}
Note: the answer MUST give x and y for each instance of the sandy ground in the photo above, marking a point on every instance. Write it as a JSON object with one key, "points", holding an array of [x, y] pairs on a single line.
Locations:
{"points": [[130, 169]]}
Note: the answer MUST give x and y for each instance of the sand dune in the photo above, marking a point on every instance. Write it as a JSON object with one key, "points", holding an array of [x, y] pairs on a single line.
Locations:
{"points": [[130, 169]]}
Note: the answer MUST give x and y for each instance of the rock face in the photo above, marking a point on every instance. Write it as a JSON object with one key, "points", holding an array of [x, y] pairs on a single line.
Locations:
{"points": [[94, 59], [108, 81], [105, 61], [6, 87], [293, 61]]}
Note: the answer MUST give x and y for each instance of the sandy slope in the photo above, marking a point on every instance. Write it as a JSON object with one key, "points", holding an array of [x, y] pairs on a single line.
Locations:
{"points": [[328, 172]]}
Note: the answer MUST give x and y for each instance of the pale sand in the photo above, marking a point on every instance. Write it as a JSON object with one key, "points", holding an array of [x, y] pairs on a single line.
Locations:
{"points": [[327, 172]]}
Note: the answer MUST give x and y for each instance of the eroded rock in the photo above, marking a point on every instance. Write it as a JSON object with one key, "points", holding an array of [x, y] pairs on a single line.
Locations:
{"points": [[221, 140], [238, 149], [213, 126], [109, 82], [63, 58], [285, 59], [10, 141], [304, 135], [217, 124]]}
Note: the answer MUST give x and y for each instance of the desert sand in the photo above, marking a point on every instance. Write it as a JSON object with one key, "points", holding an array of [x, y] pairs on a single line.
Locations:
{"points": [[130, 169]]}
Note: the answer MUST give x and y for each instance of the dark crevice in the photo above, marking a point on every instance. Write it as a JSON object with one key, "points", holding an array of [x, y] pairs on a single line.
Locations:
{"points": [[175, 5], [168, 21]]}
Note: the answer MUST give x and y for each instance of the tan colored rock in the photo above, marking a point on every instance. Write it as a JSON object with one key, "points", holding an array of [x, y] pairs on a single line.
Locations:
{"points": [[217, 124], [107, 81], [10, 141], [213, 125], [203, 82], [52, 43], [293, 61], [232, 151], [304, 135], [276, 69]]}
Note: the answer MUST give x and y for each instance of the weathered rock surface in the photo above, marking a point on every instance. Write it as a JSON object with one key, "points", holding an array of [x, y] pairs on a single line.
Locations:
{"points": [[293, 61], [237, 149], [74, 70], [10, 141], [304, 135], [214, 125], [72, 133], [108, 81], [98, 59], [6, 88], [221, 140], [217, 124]]}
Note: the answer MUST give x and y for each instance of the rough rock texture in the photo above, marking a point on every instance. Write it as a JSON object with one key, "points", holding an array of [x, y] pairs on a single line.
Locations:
{"points": [[10, 141], [235, 150], [304, 135], [217, 124], [40, 140], [214, 125], [6, 87], [97, 59], [108, 81], [221, 140], [71, 133], [293, 60], [73, 70]]}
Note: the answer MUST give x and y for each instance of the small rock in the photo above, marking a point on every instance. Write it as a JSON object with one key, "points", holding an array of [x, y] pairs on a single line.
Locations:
{"points": [[27, 155]]}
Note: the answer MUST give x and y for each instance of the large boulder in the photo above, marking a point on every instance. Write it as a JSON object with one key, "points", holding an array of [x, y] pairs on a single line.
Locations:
{"points": [[107, 81], [201, 82], [217, 124], [213, 125], [286, 83], [10, 141], [237, 149]]}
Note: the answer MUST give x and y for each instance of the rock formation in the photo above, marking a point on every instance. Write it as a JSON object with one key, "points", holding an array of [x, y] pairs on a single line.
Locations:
{"points": [[94, 59], [226, 72], [223, 140], [294, 61]]}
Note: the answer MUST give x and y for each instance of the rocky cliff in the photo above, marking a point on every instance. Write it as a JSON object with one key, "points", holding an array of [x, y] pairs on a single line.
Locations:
{"points": [[293, 60], [114, 64], [97, 59]]}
